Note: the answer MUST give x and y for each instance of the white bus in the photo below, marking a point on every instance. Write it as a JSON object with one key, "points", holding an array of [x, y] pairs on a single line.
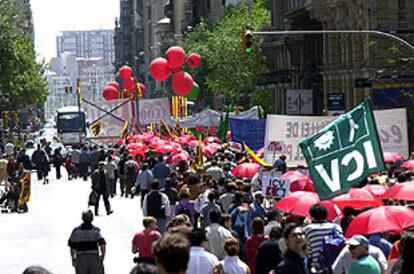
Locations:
{"points": [[71, 125]]}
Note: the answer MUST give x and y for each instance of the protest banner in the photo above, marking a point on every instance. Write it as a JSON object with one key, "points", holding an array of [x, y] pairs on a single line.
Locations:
{"points": [[344, 153], [248, 131], [273, 186], [289, 130], [154, 111]]}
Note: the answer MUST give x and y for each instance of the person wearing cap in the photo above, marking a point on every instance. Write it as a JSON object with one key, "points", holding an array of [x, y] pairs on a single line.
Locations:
{"points": [[255, 210], [100, 182], [87, 246], [363, 263]]}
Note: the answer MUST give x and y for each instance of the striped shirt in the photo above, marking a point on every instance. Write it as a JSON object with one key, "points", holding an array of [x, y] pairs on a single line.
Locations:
{"points": [[314, 235], [85, 239]]}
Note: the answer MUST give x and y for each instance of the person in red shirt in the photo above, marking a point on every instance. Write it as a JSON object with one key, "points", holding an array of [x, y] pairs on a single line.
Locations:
{"points": [[142, 241], [254, 241]]}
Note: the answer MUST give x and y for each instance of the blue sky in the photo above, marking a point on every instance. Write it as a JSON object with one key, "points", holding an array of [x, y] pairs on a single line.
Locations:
{"points": [[52, 16]]}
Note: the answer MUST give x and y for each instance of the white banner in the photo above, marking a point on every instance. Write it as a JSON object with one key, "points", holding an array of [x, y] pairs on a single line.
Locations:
{"points": [[274, 186], [392, 130], [111, 126], [211, 118], [154, 110], [289, 130]]}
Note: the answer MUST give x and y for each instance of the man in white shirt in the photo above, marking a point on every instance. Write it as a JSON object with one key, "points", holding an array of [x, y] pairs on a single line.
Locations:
{"points": [[201, 261], [344, 260], [274, 217], [216, 235]]}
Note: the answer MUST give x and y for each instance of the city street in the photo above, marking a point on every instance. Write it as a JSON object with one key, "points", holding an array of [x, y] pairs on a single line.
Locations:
{"points": [[40, 236]]}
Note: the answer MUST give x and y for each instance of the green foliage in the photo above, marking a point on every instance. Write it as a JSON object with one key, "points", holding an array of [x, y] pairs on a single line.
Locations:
{"points": [[21, 77], [226, 69]]}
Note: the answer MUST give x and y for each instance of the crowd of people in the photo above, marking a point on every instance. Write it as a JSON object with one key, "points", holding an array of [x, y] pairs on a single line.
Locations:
{"points": [[202, 219]]}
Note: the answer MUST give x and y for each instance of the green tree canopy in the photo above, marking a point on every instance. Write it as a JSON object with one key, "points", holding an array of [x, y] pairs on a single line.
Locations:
{"points": [[226, 69], [21, 77]]}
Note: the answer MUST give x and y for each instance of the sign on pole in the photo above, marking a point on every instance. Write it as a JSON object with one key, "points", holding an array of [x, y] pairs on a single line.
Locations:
{"points": [[344, 153], [274, 186]]}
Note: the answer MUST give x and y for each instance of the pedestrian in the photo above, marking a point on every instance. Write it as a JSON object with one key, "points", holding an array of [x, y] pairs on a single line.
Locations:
{"points": [[131, 173], [161, 170], [3, 169], [100, 185], [253, 242], [201, 261], [144, 268], [84, 161], [185, 205], [216, 235], [255, 210], [363, 263], [87, 247], [232, 263], [172, 253], [274, 219], [207, 208], [215, 171], [57, 162], [171, 193], [294, 261], [121, 172], [111, 168], [142, 241], [269, 254], [315, 234], [156, 204], [143, 181], [405, 264], [36, 270]]}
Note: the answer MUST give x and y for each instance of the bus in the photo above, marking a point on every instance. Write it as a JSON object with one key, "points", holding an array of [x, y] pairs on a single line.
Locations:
{"points": [[71, 125]]}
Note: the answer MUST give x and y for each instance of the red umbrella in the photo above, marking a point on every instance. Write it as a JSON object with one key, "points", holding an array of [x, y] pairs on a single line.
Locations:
{"points": [[245, 170], [357, 198], [299, 181], [383, 218], [137, 146], [390, 157], [134, 153], [209, 150], [300, 202], [212, 139], [164, 148], [403, 191], [193, 143], [178, 158], [408, 164], [379, 191]]}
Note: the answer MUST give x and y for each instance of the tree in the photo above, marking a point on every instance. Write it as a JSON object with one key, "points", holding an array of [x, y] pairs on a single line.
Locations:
{"points": [[21, 78], [226, 69]]}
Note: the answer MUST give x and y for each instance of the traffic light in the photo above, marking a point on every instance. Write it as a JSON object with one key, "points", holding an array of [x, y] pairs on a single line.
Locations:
{"points": [[5, 116], [247, 40]]}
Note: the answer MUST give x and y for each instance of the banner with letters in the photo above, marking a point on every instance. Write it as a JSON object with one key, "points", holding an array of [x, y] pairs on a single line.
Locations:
{"points": [[248, 131], [154, 111], [287, 131], [344, 153], [274, 186]]}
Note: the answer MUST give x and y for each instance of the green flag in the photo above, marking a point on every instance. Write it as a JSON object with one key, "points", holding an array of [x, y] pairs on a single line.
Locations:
{"points": [[344, 153], [224, 124]]}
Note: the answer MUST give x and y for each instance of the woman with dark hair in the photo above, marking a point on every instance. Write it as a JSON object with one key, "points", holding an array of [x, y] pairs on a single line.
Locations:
{"points": [[406, 264], [254, 241]]}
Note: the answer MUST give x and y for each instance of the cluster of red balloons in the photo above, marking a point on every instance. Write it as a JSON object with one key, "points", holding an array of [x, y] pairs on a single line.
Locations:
{"points": [[113, 91], [162, 68]]}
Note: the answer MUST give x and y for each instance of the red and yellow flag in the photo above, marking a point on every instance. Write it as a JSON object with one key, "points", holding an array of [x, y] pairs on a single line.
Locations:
{"points": [[26, 191]]}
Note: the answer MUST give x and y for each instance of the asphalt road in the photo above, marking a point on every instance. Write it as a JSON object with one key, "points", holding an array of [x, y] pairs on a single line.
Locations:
{"points": [[40, 236]]}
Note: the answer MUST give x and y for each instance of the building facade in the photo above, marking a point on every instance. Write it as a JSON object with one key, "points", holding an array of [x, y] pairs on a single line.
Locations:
{"points": [[87, 44]]}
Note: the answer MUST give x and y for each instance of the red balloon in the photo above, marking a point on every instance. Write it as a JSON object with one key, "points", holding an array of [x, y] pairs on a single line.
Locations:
{"points": [[110, 93], [125, 72], [142, 88], [160, 69], [175, 56], [129, 84], [194, 60], [114, 84], [182, 83]]}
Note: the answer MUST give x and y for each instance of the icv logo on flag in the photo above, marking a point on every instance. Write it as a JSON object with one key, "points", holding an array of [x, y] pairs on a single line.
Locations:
{"points": [[344, 152]]}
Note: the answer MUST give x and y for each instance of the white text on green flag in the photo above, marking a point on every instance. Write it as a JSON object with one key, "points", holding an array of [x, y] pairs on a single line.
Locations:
{"points": [[344, 153]]}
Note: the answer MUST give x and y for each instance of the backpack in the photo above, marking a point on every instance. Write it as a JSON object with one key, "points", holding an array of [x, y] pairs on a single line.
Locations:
{"points": [[332, 245], [184, 210]]}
